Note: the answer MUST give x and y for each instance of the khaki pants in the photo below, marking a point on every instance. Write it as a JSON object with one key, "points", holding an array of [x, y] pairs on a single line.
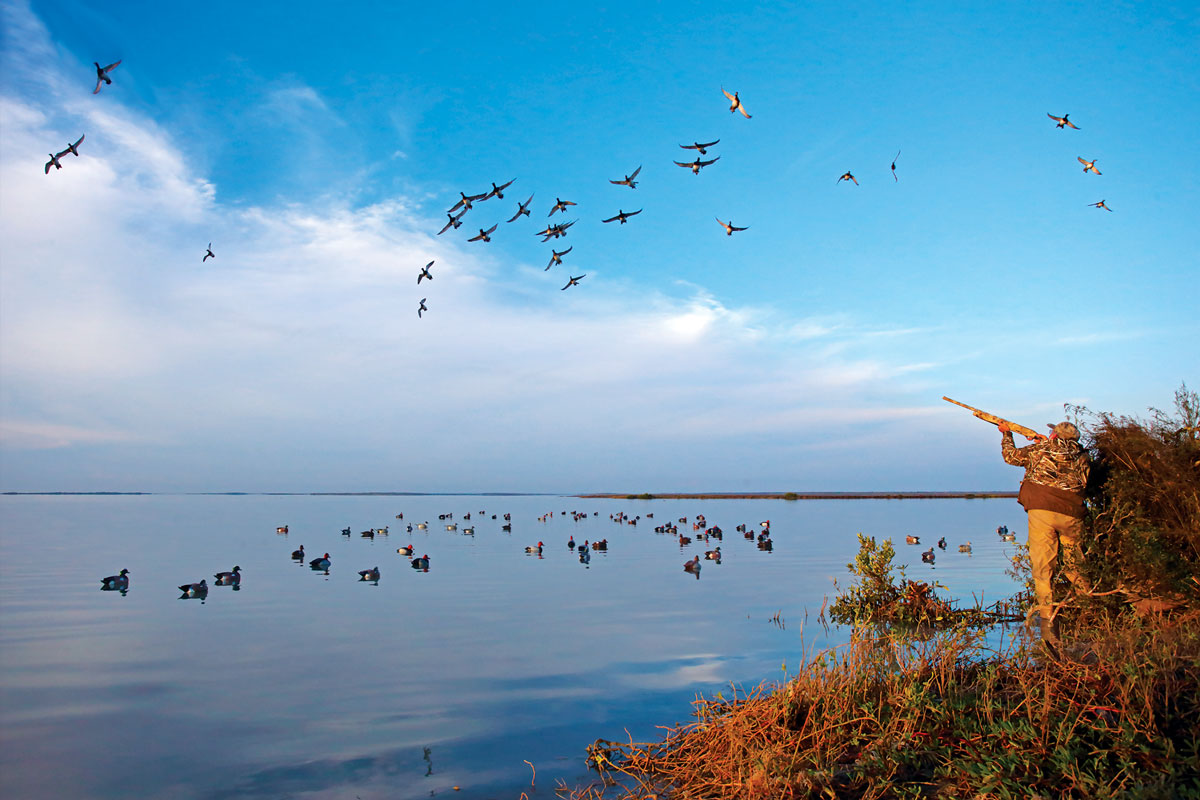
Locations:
{"points": [[1046, 530]]}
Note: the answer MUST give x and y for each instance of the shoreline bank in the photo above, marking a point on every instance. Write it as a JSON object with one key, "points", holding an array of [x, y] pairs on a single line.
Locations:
{"points": [[802, 496]]}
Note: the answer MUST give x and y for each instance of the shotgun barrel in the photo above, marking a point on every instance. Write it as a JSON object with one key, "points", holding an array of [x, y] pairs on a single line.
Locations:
{"points": [[1028, 433]]}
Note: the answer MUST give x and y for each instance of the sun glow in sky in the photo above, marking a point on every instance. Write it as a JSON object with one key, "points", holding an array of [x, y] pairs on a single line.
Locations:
{"points": [[319, 146]]}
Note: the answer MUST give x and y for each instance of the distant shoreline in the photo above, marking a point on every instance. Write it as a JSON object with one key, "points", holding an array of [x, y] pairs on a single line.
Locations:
{"points": [[597, 496]]}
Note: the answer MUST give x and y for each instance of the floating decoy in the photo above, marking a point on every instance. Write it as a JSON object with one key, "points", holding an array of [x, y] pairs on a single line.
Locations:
{"points": [[1008, 537], [195, 589], [233, 578], [346, 531], [573, 282], [571, 543], [942, 543], [600, 545], [910, 539], [53, 162], [629, 179], [452, 222], [506, 527], [964, 548], [497, 191], [424, 273], [701, 148], [522, 209], [693, 565], [469, 531], [848, 177], [422, 525], [102, 74], [466, 201], [713, 555], [73, 148], [894, 167], [282, 529], [483, 235], [560, 205], [1062, 121], [321, 563], [422, 308], [685, 540], [697, 165], [766, 544], [556, 257], [298, 555], [367, 534], [927, 556], [208, 253], [368, 574], [622, 216], [421, 563], [735, 103], [1088, 165], [405, 550], [1100, 205], [119, 582], [730, 227], [537, 549]]}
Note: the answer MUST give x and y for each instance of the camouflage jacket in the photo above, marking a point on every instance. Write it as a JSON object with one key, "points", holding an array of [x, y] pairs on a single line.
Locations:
{"points": [[1056, 473]]}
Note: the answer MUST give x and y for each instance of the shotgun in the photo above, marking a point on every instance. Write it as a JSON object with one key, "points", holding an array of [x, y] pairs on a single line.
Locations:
{"points": [[1028, 433]]}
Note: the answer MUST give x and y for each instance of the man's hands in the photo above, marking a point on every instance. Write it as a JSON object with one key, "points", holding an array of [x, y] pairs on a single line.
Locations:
{"points": [[1037, 437]]}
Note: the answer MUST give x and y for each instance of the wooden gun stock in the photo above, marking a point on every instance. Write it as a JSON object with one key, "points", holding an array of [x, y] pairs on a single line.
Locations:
{"points": [[1028, 433]]}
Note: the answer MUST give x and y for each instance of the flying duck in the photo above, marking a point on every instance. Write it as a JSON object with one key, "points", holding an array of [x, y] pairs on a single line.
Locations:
{"points": [[453, 222], [483, 235], [522, 209], [119, 582], [73, 148], [735, 103], [53, 162], [1100, 205], [208, 253], [573, 282], [729, 227], [424, 273], [233, 578], [697, 165], [894, 167], [701, 148], [1088, 165], [556, 257], [422, 309], [560, 205], [848, 177], [466, 201], [497, 191], [622, 216], [629, 179], [102, 74], [1062, 121]]}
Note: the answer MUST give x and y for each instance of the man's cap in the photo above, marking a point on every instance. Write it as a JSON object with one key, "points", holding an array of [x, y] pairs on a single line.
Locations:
{"points": [[1064, 430]]}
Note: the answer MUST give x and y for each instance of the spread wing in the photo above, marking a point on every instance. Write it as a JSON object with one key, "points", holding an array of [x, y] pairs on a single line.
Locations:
{"points": [[81, 137], [710, 144], [681, 164], [634, 213], [727, 94], [742, 109], [612, 219], [635, 172], [736, 228], [706, 163]]}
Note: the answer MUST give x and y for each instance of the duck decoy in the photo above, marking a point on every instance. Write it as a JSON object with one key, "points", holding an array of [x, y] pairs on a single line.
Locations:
{"points": [[321, 563], [685, 540], [702, 149], [466, 201], [927, 556], [421, 563], [571, 543], [1008, 537], [629, 179], [53, 162], [522, 209], [1088, 166], [848, 177], [894, 167], [119, 582], [422, 526], [424, 273], [346, 531], [1100, 205], [585, 555], [233, 578], [497, 191], [484, 236], [735, 103], [102, 74], [537, 549], [422, 308], [282, 529], [368, 534], [405, 550], [600, 545], [369, 574], [556, 257], [942, 543], [766, 544], [697, 165], [195, 589], [469, 531], [713, 555], [573, 282], [560, 205], [693, 565], [910, 539], [506, 527], [1062, 121], [729, 227], [964, 548], [452, 222], [208, 253], [622, 216], [298, 555]]}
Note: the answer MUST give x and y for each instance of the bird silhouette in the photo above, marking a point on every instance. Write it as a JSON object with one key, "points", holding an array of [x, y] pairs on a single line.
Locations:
{"points": [[729, 227], [483, 235], [560, 205], [102, 74], [701, 148], [1063, 121], [73, 148], [522, 209], [894, 167], [1100, 205], [53, 162], [497, 191], [735, 103], [1088, 165], [422, 309], [622, 216], [573, 282], [208, 253], [453, 222], [697, 165], [629, 179], [425, 273], [848, 177], [465, 202], [556, 257]]}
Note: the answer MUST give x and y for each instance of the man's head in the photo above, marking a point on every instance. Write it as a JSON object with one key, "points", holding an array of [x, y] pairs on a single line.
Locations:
{"points": [[1064, 430]]}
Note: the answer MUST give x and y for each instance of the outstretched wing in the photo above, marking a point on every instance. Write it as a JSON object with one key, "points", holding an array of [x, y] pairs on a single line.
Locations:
{"points": [[727, 94], [612, 219], [742, 109], [635, 172], [634, 213]]}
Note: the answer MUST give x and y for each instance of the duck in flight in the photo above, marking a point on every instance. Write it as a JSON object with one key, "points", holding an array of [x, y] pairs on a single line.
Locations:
{"points": [[53, 162], [483, 235], [1062, 121], [697, 165], [701, 148], [425, 273], [102, 74], [629, 179], [735, 103], [1088, 165], [522, 209], [497, 191], [560, 205], [729, 227], [208, 253], [555, 231], [465, 202], [453, 222], [1100, 205], [622, 216], [894, 167], [422, 309], [556, 257], [848, 177], [573, 282], [73, 148]]}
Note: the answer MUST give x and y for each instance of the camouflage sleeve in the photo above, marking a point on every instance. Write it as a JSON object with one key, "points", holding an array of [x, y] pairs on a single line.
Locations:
{"points": [[1017, 456]]}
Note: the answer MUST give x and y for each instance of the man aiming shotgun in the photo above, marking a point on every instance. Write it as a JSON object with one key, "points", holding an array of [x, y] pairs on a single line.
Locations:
{"points": [[1056, 473]]}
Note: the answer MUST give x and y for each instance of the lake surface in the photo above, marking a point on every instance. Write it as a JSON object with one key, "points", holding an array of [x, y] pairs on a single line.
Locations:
{"points": [[306, 684]]}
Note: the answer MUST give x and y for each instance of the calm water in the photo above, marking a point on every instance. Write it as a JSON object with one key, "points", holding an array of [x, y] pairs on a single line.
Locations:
{"points": [[304, 684]]}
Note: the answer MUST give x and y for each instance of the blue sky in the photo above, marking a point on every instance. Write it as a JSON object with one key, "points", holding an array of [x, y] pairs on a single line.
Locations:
{"points": [[319, 146]]}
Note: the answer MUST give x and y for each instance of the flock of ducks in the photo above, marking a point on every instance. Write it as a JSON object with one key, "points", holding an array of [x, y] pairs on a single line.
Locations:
{"points": [[928, 555]]}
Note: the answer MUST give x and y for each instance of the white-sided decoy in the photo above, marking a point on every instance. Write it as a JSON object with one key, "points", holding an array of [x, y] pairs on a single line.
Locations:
{"points": [[484, 235], [573, 282], [729, 227], [320, 563], [497, 191], [522, 209], [735, 103], [102, 74], [713, 555], [195, 589], [537, 549], [208, 253], [560, 205], [118, 582], [1088, 166], [425, 273], [405, 549], [702, 149], [629, 179], [233, 578], [1062, 121], [927, 556], [369, 574], [848, 177], [622, 216], [556, 256], [421, 563], [697, 165]]}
